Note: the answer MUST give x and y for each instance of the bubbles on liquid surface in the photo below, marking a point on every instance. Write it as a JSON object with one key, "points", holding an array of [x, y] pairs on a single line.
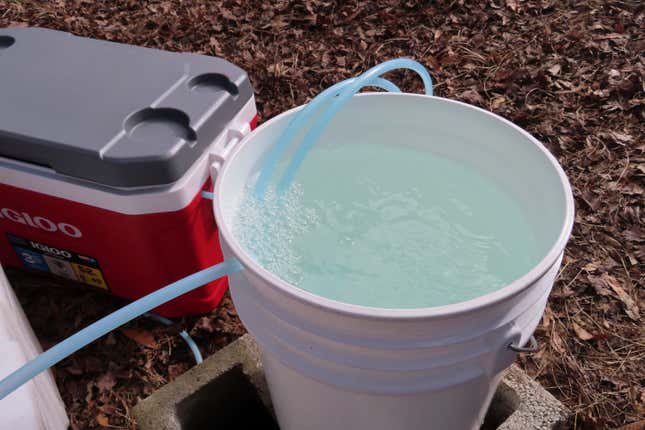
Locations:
{"points": [[268, 228]]}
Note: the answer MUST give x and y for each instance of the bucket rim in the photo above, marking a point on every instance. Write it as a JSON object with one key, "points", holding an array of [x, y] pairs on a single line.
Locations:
{"points": [[490, 299]]}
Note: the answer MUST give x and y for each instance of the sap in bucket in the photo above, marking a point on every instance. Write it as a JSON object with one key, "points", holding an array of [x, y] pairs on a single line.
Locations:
{"points": [[358, 333]]}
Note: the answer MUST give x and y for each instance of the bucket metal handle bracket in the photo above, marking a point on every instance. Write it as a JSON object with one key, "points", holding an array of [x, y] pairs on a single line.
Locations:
{"points": [[532, 347]]}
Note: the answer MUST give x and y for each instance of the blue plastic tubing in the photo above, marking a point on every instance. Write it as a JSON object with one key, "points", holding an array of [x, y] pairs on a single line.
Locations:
{"points": [[340, 94], [292, 128], [208, 195], [184, 334], [116, 319]]}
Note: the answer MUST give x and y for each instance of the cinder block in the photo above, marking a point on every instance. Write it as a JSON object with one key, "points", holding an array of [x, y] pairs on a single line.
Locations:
{"points": [[531, 406], [228, 391]]}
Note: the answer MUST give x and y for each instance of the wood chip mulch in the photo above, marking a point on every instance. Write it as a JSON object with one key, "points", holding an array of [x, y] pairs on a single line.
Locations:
{"points": [[570, 72]]}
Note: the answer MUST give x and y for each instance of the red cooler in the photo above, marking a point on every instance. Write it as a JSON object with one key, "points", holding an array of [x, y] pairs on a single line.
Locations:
{"points": [[105, 150]]}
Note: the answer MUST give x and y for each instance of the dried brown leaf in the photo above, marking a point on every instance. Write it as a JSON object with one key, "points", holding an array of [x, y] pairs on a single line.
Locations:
{"points": [[106, 382], [622, 137], [555, 69], [497, 102], [204, 324], [599, 284], [631, 308], [142, 337], [581, 332], [512, 4], [102, 420]]}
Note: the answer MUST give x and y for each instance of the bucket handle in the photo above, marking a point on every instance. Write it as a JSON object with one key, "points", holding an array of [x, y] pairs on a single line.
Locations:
{"points": [[532, 347]]}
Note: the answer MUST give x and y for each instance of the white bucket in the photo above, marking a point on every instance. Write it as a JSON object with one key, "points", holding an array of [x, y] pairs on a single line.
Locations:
{"points": [[333, 365]]}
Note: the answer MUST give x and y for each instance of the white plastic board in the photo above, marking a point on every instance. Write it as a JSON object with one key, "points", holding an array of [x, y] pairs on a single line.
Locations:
{"points": [[36, 405]]}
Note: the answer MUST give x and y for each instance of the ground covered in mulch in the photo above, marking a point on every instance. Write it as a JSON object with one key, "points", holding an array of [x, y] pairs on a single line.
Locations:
{"points": [[567, 71]]}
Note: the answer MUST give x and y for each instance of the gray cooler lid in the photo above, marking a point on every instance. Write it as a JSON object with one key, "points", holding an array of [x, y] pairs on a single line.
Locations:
{"points": [[114, 114]]}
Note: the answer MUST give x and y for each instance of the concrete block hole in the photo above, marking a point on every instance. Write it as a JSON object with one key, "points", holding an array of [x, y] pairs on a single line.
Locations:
{"points": [[504, 403], [231, 402]]}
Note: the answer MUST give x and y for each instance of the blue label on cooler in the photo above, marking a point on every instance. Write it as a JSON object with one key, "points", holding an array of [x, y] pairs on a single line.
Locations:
{"points": [[31, 260], [58, 261]]}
